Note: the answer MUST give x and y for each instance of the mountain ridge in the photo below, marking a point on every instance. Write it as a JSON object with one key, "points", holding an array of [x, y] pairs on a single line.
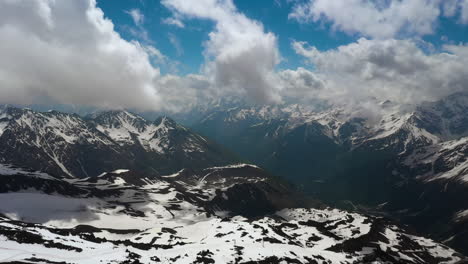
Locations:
{"points": [[67, 143], [397, 155]]}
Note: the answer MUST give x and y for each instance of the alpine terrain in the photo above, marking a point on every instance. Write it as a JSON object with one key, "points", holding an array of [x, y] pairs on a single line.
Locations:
{"points": [[234, 132], [407, 161], [238, 213], [69, 145]]}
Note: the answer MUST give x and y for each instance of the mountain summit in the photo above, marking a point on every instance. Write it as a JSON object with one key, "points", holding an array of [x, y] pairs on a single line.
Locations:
{"points": [[69, 145]]}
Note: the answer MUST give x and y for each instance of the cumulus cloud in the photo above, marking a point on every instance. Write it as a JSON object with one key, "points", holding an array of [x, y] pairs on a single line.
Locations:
{"points": [[397, 70], [183, 93], [67, 52], [240, 55], [300, 84], [380, 19]]}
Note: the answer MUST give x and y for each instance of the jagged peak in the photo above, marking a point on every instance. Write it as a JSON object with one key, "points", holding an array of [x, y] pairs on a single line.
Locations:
{"points": [[15, 111], [123, 120], [166, 121], [115, 114]]}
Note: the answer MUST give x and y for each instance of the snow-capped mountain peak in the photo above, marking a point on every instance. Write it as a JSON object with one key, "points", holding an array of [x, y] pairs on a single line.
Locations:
{"points": [[67, 144], [126, 128], [159, 136]]}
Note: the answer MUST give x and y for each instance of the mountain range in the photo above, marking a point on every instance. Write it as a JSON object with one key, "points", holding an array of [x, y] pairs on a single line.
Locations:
{"points": [[113, 187], [406, 161], [67, 144]]}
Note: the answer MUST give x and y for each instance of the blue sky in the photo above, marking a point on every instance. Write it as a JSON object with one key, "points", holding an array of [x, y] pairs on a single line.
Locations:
{"points": [[272, 14]]}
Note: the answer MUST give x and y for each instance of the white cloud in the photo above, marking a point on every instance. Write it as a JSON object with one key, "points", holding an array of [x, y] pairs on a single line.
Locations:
{"points": [[300, 84], [137, 16], [240, 55], [173, 21], [379, 18], [464, 11], [138, 31], [176, 43], [456, 7], [67, 52], [181, 94], [387, 69], [155, 54]]}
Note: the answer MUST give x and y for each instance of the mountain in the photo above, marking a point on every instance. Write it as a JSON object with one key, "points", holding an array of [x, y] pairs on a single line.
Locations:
{"points": [[67, 144], [433, 191], [407, 161], [163, 142], [231, 214]]}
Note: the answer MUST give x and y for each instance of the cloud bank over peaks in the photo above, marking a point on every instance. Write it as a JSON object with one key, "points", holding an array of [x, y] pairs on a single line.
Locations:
{"points": [[397, 70], [240, 56], [301, 84], [67, 52]]}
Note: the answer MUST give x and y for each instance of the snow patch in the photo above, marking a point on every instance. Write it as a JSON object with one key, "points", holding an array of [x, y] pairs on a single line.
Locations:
{"points": [[120, 171]]}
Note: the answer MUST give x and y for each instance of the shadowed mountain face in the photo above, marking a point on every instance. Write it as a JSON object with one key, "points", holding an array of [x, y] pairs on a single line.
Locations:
{"points": [[232, 214], [66, 144], [409, 163]]}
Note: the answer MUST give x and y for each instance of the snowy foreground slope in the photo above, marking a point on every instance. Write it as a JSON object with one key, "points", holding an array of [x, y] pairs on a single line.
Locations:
{"points": [[234, 214]]}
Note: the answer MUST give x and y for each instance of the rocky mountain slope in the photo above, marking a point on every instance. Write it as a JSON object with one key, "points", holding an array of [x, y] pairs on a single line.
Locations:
{"points": [[406, 160], [233, 214], [433, 190], [67, 144]]}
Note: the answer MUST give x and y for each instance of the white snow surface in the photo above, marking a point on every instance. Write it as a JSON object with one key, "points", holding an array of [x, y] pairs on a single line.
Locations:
{"points": [[6, 169], [158, 222], [450, 153], [126, 128]]}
